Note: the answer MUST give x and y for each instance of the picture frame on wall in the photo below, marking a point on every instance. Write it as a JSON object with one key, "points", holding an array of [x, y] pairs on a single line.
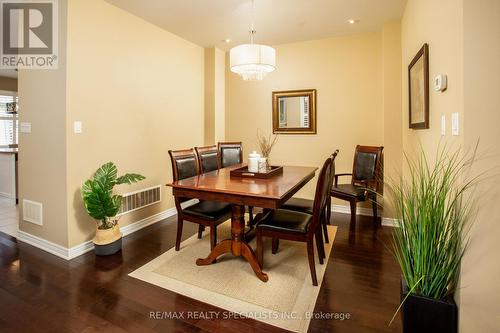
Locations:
{"points": [[418, 87]]}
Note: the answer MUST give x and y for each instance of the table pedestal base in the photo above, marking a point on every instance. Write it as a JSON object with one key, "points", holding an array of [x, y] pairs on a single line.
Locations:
{"points": [[236, 245]]}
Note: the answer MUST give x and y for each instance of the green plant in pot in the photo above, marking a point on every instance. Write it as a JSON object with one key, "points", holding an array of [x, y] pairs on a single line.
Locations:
{"points": [[429, 241], [102, 205]]}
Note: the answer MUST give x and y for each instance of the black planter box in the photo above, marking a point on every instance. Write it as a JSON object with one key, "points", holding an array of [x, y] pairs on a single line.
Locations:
{"points": [[422, 314]]}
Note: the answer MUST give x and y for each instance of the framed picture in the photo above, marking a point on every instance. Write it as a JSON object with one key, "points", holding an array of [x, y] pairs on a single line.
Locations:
{"points": [[418, 86]]}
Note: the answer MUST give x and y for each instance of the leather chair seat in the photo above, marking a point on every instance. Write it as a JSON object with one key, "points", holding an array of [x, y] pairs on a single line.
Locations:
{"points": [[299, 205], [286, 220], [355, 191], [210, 210]]}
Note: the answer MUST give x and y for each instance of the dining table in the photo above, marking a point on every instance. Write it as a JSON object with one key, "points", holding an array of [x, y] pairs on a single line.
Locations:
{"points": [[267, 193]]}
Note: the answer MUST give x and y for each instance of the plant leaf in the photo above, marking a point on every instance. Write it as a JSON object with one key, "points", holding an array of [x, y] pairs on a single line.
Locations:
{"points": [[129, 178]]}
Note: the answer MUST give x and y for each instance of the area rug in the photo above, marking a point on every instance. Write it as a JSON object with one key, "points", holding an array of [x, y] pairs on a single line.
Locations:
{"points": [[287, 300]]}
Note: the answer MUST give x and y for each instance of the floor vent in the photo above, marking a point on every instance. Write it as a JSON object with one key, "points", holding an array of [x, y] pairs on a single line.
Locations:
{"points": [[32, 212], [140, 199]]}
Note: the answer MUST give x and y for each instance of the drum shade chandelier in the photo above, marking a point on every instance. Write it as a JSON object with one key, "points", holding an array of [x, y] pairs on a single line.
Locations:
{"points": [[252, 61]]}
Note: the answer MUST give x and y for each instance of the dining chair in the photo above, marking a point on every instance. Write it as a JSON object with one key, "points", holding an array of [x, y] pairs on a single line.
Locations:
{"points": [[299, 226], [208, 158], [366, 180], [231, 153], [306, 205], [204, 213]]}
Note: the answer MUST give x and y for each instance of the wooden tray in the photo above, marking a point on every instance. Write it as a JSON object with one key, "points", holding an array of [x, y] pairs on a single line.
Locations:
{"points": [[244, 173]]}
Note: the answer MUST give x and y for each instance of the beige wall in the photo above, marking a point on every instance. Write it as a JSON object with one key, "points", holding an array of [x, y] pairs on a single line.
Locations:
{"points": [[138, 91], [440, 24], [350, 75], [463, 43], [480, 292], [42, 153], [8, 83], [391, 103], [215, 63]]}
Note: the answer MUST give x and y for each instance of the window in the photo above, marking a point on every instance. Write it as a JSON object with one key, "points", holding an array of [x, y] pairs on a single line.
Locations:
{"points": [[8, 122]]}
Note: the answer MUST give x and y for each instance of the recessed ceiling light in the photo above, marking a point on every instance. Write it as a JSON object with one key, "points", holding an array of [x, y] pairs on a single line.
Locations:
{"points": [[227, 40], [352, 21]]}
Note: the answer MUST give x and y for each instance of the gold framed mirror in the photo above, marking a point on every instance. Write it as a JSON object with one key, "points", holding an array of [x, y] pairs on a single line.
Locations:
{"points": [[294, 112]]}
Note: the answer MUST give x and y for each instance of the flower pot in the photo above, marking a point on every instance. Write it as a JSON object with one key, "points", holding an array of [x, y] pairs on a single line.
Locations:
{"points": [[423, 314], [107, 241]]}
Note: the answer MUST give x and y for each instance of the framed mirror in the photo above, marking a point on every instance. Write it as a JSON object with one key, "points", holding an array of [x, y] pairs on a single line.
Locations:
{"points": [[294, 112]]}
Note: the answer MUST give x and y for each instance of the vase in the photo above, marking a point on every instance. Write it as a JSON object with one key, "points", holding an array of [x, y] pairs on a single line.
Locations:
{"points": [[107, 241], [423, 314]]}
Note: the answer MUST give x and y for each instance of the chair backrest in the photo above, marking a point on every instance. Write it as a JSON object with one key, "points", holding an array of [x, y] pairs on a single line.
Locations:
{"points": [[322, 194], [208, 158], [367, 166], [184, 163], [231, 153], [332, 171]]}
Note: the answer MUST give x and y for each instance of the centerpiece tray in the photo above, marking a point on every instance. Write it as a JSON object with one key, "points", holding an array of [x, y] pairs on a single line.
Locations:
{"points": [[244, 173]]}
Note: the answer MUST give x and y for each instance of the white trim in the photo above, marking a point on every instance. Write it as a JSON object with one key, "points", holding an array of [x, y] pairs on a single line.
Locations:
{"points": [[389, 222], [43, 244], [386, 221], [78, 250], [7, 195]]}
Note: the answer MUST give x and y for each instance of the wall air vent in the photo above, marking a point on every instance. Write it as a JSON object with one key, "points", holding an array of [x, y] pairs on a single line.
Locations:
{"points": [[140, 199], [32, 212]]}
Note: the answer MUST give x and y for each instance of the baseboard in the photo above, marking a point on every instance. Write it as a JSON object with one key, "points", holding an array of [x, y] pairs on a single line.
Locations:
{"points": [[7, 195], [78, 250], [386, 221], [389, 222]]}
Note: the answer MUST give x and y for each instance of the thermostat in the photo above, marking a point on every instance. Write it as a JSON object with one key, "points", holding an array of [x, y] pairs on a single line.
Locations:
{"points": [[440, 82]]}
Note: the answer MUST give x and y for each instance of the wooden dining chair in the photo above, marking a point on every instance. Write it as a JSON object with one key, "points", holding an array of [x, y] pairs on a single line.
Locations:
{"points": [[306, 205], [366, 180], [230, 153], [298, 226], [204, 213], [208, 158]]}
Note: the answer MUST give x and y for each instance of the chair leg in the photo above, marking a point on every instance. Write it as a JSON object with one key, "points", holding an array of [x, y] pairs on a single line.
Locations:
{"points": [[180, 222], [375, 208], [276, 245], [319, 246], [328, 210], [325, 229], [353, 211], [312, 266], [201, 228], [260, 249], [213, 237]]}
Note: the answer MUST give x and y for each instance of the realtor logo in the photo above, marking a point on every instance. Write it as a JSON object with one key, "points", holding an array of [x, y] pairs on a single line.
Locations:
{"points": [[29, 34]]}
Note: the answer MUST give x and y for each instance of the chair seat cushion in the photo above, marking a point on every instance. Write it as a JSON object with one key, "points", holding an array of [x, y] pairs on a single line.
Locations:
{"points": [[210, 210], [287, 221], [355, 191], [299, 205]]}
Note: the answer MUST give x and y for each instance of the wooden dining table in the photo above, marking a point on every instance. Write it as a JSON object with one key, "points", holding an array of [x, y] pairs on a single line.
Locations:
{"points": [[268, 193]]}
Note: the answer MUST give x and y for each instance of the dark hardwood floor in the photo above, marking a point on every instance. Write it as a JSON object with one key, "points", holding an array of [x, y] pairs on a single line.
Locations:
{"points": [[42, 293]]}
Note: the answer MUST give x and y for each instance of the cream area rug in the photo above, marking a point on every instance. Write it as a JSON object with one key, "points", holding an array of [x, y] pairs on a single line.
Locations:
{"points": [[287, 300]]}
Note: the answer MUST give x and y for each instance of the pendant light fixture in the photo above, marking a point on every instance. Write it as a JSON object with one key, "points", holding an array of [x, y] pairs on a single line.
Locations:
{"points": [[252, 61]]}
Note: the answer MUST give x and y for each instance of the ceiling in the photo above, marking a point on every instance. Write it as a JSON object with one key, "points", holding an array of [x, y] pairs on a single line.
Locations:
{"points": [[209, 22]]}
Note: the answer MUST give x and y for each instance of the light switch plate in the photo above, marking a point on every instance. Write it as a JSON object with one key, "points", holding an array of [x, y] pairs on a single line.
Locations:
{"points": [[443, 125], [25, 127], [455, 124], [77, 127]]}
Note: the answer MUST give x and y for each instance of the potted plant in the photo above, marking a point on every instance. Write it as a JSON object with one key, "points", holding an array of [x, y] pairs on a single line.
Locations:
{"points": [[429, 241], [102, 205]]}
